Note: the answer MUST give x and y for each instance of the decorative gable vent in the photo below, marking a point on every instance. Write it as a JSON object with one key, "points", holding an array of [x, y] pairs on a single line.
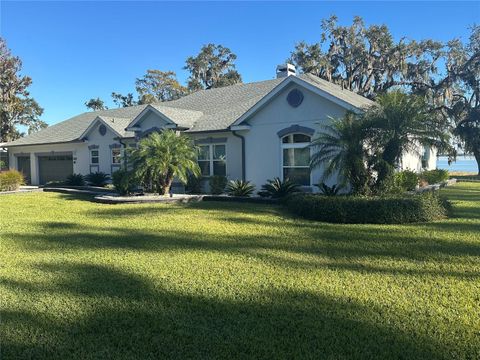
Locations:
{"points": [[295, 98], [102, 129]]}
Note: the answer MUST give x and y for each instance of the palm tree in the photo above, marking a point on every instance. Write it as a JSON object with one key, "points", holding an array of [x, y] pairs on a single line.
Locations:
{"points": [[161, 157], [400, 123], [340, 147]]}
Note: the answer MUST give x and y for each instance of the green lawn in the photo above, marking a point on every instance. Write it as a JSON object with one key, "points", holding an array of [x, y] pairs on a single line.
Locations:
{"points": [[81, 280]]}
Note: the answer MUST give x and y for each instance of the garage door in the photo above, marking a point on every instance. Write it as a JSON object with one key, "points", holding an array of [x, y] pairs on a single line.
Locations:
{"points": [[54, 168], [23, 165]]}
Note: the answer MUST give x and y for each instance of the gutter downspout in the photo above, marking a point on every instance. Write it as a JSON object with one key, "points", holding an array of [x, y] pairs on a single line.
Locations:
{"points": [[242, 138], [124, 151]]}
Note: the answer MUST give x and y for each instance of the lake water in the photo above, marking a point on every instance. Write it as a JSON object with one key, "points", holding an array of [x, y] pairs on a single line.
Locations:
{"points": [[463, 164]]}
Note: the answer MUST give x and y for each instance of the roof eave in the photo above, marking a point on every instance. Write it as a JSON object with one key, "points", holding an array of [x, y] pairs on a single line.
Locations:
{"points": [[46, 143]]}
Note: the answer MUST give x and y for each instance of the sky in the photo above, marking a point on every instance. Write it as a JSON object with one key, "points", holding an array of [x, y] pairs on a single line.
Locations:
{"points": [[74, 51]]}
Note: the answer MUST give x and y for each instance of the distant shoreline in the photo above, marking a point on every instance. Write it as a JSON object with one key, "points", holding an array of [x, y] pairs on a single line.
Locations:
{"points": [[465, 163]]}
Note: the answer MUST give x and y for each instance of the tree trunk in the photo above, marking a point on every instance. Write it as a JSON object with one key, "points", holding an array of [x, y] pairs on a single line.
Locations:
{"points": [[164, 185], [476, 154]]}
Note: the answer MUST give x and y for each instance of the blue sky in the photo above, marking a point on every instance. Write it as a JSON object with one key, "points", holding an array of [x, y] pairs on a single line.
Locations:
{"points": [[77, 50]]}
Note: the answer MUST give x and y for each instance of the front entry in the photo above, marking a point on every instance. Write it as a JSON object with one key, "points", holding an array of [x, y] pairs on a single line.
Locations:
{"points": [[23, 165], [54, 168]]}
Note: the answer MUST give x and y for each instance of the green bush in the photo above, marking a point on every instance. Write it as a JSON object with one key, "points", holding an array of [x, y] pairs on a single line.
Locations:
{"points": [[406, 180], [124, 181], [240, 188], [194, 184], [435, 176], [11, 180], [329, 190], [369, 210], [217, 184], [98, 179], [277, 188], [75, 180]]}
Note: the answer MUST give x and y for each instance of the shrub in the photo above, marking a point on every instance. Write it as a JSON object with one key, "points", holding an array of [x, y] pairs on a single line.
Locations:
{"points": [[369, 210], [406, 180], [124, 181], [75, 180], [194, 184], [277, 188], [11, 180], [217, 184], [240, 188], [435, 176], [329, 190], [98, 179], [385, 182]]}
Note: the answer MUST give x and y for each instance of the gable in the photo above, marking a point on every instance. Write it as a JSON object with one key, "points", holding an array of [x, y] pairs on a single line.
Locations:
{"points": [[99, 128], [151, 119], [333, 95], [292, 104]]}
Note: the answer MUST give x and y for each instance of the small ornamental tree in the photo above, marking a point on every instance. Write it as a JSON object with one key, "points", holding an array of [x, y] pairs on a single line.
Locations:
{"points": [[340, 148], [161, 157]]}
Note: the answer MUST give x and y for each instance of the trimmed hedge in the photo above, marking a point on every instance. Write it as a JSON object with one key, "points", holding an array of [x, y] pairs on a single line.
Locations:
{"points": [[372, 210]]}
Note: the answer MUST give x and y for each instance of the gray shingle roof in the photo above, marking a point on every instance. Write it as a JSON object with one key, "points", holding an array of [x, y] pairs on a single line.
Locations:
{"points": [[118, 124], [205, 110], [71, 129], [348, 96], [180, 116]]}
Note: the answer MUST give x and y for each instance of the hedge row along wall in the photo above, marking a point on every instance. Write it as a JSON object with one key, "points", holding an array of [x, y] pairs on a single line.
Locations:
{"points": [[363, 210]]}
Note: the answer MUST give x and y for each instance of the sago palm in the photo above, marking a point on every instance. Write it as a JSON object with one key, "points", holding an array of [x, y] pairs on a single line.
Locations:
{"points": [[340, 148], [161, 157]]}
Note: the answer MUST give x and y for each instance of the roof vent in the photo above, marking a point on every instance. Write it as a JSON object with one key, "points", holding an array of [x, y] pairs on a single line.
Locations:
{"points": [[285, 70]]}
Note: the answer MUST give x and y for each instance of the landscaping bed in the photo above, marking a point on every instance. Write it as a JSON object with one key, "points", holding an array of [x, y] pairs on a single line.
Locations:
{"points": [[178, 198]]}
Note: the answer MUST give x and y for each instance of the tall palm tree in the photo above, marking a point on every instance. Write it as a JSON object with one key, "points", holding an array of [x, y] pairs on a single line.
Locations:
{"points": [[400, 123], [340, 147], [161, 157]]}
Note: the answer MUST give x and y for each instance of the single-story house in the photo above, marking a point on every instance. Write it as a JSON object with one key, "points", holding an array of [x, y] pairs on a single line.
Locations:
{"points": [[253, 131]]}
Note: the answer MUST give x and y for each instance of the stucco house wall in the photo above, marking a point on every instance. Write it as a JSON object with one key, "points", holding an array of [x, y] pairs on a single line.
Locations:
{"points": [[233, 148], [79, 150], [258, 112], [415, 159], [263, 151], [151, 120]]}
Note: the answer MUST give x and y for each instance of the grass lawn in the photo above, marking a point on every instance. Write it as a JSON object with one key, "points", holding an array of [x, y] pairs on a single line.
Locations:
{"points": [[81, 280]]}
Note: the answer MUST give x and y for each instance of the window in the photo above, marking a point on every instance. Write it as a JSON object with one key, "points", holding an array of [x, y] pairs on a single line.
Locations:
{"points": [[94, 157], [116, 156], [296, 158], [212, 160]]}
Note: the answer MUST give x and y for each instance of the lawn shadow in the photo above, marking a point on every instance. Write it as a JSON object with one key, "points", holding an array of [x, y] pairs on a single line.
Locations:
{"points": [[135, 318], [327, 246]]}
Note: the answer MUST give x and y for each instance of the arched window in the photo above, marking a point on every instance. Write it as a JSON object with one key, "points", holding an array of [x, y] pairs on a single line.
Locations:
{"points": [[296, 158]]}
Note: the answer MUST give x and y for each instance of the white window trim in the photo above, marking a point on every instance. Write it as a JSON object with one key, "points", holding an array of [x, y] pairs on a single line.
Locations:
{"points": [[295, 146], [98, 157], [211, 160], [111, 157]]}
